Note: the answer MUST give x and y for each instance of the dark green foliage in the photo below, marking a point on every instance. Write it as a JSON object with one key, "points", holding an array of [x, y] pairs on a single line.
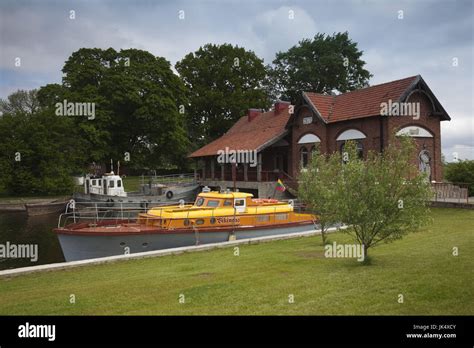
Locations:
{"points": [[137, 98], [223, 82], [38, 154], [461, 172], [23, 102], [323, 64]]}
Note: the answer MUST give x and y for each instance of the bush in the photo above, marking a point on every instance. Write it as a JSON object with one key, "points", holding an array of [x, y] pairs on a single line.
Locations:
{"points": [[461, 172]]}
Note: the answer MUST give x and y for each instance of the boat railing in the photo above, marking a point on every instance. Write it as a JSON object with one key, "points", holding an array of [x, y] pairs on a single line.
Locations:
{"points": [[104, 218], [171, 179], [100, 211]]}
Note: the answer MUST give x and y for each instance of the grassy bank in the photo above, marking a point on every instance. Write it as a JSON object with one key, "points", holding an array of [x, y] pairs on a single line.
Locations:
{"points": [[421, 267], [32, 199]]}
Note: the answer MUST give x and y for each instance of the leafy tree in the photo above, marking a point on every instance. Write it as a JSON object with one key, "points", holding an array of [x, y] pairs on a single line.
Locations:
{"points": [[323, 64], [144, 99], [386, 195], [316, 189], [39, 155], [223, 82], [137, 100], [461, 172], [21, 101], [381, 198]]}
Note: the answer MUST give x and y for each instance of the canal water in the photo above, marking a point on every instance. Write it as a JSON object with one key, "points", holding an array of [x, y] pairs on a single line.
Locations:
{"points": [[18, 228]]}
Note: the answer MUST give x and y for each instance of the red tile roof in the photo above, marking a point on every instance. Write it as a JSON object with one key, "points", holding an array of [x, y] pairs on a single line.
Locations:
{"points": [[359, 103], [245, 135], [268, 126]]}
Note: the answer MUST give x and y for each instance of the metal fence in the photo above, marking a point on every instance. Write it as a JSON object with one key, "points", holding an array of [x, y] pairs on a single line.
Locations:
{"points": [[450, 192]]}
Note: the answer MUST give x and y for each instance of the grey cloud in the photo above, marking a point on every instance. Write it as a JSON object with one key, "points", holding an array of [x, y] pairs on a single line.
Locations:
{"points": [[424, 42]]}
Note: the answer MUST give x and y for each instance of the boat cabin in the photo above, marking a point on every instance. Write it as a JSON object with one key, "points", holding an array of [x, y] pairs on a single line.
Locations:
{"points": [[214, 199], [221, 209], [238, 200], [107, 184]]}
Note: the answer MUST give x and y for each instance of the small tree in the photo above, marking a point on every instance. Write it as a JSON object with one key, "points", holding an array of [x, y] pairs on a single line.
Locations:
{"points": [[381, 198], [317, 189], [385, 195]]}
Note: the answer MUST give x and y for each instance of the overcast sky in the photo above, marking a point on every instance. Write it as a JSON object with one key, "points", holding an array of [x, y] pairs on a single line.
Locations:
{"points": [[430, 38]]}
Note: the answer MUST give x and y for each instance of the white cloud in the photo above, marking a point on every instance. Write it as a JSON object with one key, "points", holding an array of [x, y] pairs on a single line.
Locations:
{"points": [[279, 29]]}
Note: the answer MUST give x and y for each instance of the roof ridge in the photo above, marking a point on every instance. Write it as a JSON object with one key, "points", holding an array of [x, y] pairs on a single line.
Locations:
{"points": [[365, 88]]}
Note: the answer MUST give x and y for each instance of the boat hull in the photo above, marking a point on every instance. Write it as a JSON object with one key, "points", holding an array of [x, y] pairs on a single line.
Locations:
{"points": [[87, 246], [36, 209]]}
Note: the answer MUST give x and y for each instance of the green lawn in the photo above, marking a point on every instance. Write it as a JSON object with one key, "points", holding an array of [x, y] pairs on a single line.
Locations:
{"points": [[132, 183], [421, 267]]}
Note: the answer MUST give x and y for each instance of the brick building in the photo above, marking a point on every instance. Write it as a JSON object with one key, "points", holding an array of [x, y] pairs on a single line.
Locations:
{"points": [[285, 136]]}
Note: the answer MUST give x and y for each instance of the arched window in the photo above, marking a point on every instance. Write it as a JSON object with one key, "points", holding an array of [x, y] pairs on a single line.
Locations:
{"points": [[415, 131], [309, 138], [359, 148], [351, 134], [304, 157]]}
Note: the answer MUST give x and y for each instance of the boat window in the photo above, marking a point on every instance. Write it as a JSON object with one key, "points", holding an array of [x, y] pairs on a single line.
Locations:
{"points": [[263, 218], [227, 203], [199, 221], [281, 216], [212, 203], [119, 183], [111, 183], [93, 182], [240, 202], [199, 201], [100, 182]]}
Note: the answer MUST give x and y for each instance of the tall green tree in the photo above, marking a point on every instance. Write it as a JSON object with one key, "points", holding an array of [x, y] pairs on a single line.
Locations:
{"points": [[40, 152], [223, 82], [324, 64], [137, 100], [381, 198], [21, 101]]}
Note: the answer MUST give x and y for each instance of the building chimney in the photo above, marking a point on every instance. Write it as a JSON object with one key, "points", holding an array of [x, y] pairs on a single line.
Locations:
{"points": [[252, 113], [280, 106]]}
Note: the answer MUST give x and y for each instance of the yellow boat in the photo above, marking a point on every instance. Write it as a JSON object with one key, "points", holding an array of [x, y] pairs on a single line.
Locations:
{"points": [[214, 217]]}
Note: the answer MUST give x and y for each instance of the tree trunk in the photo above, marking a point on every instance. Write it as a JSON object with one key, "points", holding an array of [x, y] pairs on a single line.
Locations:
{"points": [[366, 260], [323, 233]]}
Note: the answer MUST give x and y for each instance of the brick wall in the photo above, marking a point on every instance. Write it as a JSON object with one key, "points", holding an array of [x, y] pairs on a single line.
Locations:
{"points": [[377, 130]]}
